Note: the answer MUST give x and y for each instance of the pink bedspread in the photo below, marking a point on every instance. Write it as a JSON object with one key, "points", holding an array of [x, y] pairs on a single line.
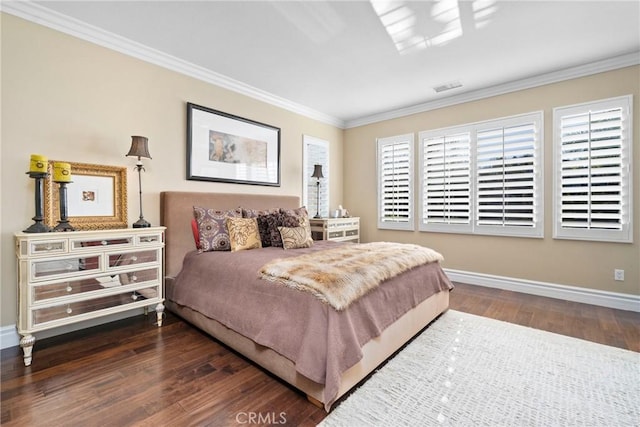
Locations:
{"points": [[322, 342]]}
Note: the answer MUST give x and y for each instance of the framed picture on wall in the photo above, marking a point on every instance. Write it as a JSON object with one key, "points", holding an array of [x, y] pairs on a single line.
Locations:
{"points": [[226, 148]]}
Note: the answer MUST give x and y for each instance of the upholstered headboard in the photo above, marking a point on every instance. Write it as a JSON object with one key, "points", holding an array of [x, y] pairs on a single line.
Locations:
{"points": [[176, 212]]}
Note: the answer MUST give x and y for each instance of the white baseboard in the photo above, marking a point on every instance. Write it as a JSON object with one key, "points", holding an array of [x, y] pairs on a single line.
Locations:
{"points": [[552, 290], [9, 336]]}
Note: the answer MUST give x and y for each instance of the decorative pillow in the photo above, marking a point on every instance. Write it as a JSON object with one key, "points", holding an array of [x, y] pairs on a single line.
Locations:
{"points": [[282, 220], [301, 211], [212, 229], [254, 213], [266, 222], [295, 237], [302, 214], [196, 233], [243, 233]]}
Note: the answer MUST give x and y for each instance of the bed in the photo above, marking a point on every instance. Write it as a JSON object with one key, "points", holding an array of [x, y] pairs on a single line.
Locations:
{"points": [[378, 334]]}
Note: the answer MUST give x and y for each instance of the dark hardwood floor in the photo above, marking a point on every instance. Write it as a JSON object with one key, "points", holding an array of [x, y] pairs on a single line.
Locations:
{"points": [[133, 373]]}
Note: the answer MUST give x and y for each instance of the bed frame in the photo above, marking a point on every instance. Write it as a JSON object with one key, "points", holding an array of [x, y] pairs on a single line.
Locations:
{"points": [[176, 211]]}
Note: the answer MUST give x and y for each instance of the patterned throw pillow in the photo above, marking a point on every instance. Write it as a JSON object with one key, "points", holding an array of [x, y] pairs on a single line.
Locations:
{"points": [[212, 228], [282, 220], [302, 215], [243, 233], [266, 221], [301, 211], [255, 213], [295, 237]]}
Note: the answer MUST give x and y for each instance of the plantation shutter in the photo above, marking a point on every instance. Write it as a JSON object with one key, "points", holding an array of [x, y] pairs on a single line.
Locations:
{"points": [[506, 179], [593, 193], [395, 175], [446, 179]]}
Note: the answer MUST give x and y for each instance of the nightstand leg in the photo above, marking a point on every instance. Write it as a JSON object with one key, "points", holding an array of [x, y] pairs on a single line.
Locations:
{"points": [[27, 343], [159, 312]]}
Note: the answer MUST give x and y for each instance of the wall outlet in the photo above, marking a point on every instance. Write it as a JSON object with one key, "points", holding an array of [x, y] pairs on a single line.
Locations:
{"points": [[618, 275]]}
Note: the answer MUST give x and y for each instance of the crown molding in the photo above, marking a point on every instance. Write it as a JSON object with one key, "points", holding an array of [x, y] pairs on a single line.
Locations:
{"points": [[610, 64], [43, 16]]}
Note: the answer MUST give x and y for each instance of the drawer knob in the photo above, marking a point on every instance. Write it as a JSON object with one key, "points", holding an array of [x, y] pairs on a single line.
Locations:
{"points": [[48, 247], [134, 278], [69, 311], [104, 243], [69, 288], [134, 258]]}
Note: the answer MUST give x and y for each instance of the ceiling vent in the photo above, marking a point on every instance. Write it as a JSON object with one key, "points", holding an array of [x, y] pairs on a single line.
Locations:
{"points": [[447, 86]]}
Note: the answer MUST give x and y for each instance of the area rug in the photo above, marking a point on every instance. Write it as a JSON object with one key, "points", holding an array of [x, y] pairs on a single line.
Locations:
{"points": [[467, 370]]}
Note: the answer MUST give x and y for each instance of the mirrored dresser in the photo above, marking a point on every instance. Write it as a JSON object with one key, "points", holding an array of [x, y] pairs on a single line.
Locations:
{"points": [[69, 277], [338, 229]]}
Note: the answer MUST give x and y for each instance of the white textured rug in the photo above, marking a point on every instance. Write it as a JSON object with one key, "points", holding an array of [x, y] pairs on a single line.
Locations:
{"points": [[469, 370]]}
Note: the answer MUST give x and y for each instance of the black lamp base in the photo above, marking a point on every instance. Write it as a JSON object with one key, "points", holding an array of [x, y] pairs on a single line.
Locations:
{"points": [[141, 223]]}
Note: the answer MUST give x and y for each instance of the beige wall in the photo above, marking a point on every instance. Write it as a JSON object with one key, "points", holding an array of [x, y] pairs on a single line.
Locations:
{"points": [[72, 100], [574, 263]]}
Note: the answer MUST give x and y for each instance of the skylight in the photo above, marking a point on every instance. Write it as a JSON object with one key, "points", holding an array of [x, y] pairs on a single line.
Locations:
{"points": [[415, 26]]}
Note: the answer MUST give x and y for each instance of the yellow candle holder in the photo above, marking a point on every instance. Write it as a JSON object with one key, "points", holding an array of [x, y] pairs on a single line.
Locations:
{"points": [[61, 172], [38, 164]]}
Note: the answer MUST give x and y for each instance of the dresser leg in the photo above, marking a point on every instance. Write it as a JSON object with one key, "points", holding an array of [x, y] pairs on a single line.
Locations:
{"points": [[159, 313], [27, 343]]}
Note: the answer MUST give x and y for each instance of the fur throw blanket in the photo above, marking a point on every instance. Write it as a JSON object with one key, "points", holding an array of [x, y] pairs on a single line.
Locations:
{"points": [[340, 276]]}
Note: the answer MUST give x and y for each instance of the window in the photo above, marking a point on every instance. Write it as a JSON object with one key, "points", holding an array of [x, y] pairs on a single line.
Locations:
{"points": [[508, 180], [395, 182], [484, 178], [592, 171], [315, 152], [445, 179]]}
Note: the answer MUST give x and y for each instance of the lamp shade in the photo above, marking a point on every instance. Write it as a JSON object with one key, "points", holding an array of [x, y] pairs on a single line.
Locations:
{"points": [[139, 147], [317, 172]]}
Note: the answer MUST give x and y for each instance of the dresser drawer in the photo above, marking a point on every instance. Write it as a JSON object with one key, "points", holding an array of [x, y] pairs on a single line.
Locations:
{"points": [[40, 270], [139, 276], [46, 292], [83, 244], [343, 223], [72, 288], [151, 238], [91, 306], [119, 260], [46, 247]]}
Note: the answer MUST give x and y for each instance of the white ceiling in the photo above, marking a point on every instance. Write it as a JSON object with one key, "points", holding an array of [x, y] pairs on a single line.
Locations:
{"points": [[356, 59]]}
